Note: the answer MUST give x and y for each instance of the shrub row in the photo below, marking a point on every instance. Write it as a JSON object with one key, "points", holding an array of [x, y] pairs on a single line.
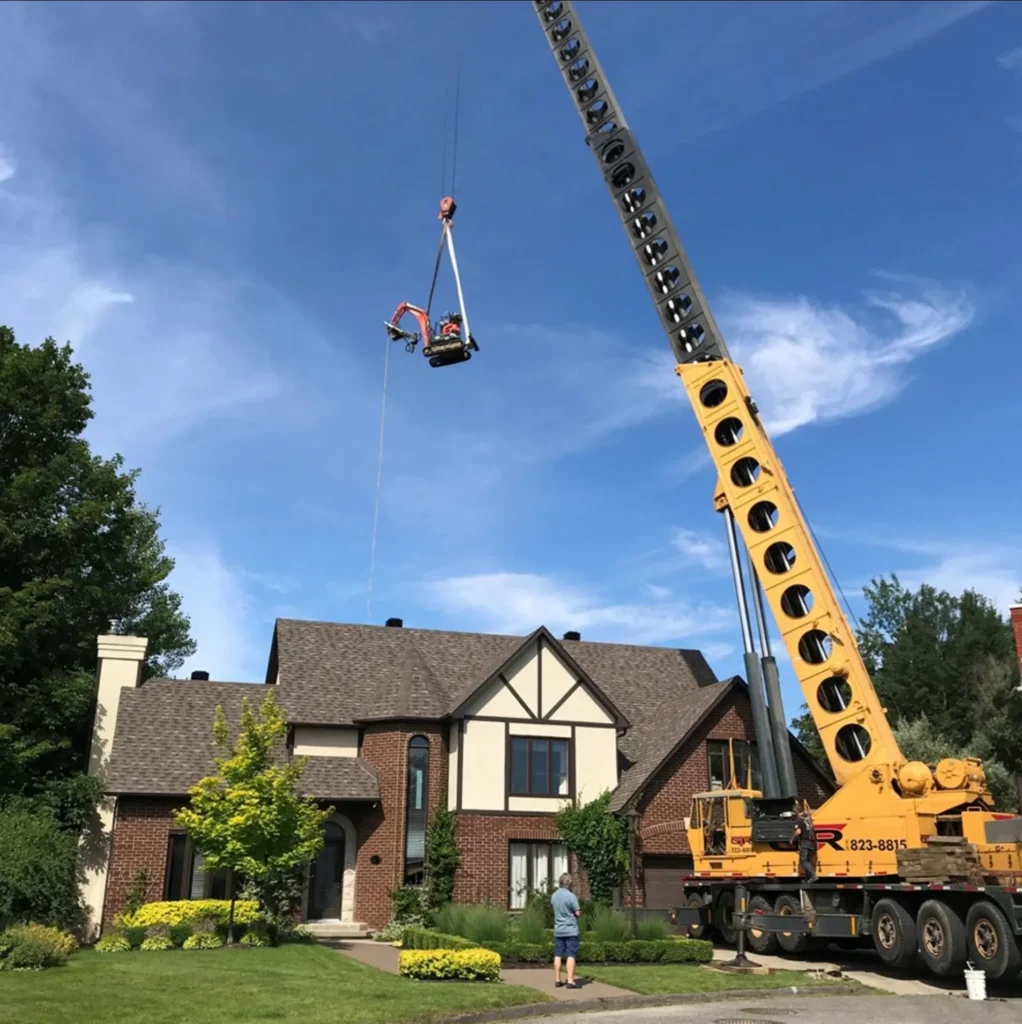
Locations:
{"points": [[32, 947], [174, 912], [450, 964], [666, 951]]}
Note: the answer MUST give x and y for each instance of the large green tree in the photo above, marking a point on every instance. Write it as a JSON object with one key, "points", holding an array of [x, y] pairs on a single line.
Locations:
{"points": [[77, 550], [946, 669]]}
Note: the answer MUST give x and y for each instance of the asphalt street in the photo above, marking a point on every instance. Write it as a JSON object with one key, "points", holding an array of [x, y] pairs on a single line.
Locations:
{"points": [[933, 1009]]}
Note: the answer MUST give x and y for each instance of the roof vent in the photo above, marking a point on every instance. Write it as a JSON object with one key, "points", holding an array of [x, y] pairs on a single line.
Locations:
{"points": [[396, 623], [199, 674], [572, 634]]}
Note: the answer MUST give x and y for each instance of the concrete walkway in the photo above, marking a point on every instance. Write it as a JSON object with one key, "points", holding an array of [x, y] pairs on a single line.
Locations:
{"points": [[863, 966], [384, 957]]}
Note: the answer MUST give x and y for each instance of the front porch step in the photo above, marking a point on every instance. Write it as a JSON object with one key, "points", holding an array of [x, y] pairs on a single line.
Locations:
{"points": [[339, 929]]}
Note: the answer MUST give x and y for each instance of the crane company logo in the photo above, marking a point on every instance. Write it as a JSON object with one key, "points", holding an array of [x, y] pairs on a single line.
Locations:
{"points": [[829, 835], [826, 835]]}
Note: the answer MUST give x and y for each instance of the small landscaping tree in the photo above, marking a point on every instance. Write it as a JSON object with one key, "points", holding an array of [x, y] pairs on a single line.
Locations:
{"points": [[599, 841], [249, 817], [442, 856]]}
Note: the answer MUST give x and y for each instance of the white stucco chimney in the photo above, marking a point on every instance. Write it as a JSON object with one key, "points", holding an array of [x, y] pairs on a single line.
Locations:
{"points": [[119, 664]]}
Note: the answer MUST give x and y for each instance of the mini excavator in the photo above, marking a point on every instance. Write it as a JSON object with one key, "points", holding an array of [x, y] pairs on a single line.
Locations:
{"points": [[450, 342]]}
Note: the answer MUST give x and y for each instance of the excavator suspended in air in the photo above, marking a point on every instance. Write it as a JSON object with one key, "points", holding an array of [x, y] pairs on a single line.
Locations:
{"points": [[911, 854], [450, 342]]}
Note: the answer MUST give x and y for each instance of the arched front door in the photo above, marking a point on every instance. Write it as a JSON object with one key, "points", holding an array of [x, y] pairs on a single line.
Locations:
{"points": [[326, 876]]}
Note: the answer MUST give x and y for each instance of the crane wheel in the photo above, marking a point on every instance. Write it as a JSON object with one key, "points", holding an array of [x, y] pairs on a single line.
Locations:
{"points": [[894, 934], [992, 945], [790, 942], [697, 931], [764, 943], [942, 941], [723, 908]]}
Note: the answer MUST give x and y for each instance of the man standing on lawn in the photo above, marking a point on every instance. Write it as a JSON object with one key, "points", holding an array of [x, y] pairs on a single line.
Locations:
{"points": [[566, 915]]}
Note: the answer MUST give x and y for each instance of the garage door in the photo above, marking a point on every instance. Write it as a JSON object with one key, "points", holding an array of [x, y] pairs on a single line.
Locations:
{"points": [[662, 876]]}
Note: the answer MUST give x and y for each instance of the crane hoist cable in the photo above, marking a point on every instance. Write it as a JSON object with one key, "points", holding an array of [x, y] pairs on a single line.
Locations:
{"points": [[453, 344]]}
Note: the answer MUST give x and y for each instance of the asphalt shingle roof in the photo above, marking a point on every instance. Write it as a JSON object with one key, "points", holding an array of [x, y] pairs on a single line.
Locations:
{"points": [[164, 742], [339, 674]]}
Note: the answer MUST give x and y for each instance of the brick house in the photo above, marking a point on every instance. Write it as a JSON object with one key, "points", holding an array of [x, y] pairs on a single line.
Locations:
{"points": [[392, 721]]}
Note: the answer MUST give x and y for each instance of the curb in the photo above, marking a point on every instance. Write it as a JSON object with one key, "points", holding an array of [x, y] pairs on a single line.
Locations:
{"points": [[526, 1010]]}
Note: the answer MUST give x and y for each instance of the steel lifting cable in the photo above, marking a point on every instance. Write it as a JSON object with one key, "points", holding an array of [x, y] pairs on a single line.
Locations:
{"points": [[379, 481], [443, 177]]}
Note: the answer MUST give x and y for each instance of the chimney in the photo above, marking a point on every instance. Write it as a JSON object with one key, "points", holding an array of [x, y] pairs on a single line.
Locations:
{"points": [[572, 634], [395, 623], [200, 674], [118, 666], [1016, 627]]}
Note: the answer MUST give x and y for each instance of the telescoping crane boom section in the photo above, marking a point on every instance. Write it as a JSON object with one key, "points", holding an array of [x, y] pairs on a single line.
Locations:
{"points": [[752, 488]]}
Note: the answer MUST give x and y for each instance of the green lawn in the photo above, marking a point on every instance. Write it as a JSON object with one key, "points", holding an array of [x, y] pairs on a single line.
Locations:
{"points": [[294, 983], [658, 979]]}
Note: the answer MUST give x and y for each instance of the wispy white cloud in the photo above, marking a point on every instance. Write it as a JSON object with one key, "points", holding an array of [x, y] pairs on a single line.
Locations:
{"points": [[808, 363], [8, 167], [1011, 60], [507, 602], [221, 608], [698, 548]]}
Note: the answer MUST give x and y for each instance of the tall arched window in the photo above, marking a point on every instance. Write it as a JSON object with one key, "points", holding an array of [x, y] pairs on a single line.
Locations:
{"points": [[415, 815]]}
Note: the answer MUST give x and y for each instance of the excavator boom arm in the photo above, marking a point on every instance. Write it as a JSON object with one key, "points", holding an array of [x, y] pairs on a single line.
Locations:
{"points": [[837, 688]]}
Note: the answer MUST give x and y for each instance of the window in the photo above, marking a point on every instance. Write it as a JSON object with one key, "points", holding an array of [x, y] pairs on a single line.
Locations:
{"points": [[539, 767], [415, 815], [535, 867], [734, 761], [187, 878]]}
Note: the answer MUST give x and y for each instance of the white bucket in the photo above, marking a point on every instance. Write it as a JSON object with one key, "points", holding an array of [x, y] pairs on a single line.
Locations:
{"points": [[975, 982]]}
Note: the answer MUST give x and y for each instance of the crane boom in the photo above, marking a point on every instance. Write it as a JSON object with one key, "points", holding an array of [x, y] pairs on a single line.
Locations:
{"points": [[752, 485]]}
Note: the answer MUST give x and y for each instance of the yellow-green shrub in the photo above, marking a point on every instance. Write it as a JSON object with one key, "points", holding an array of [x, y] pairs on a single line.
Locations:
{"points": [[156, 944], [203, 940], [113, 944], [174, 912], [34, 946], [450, 964]]}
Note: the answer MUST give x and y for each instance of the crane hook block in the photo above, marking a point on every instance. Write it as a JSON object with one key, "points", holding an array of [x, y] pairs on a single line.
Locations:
{"points": [[447, 208]]}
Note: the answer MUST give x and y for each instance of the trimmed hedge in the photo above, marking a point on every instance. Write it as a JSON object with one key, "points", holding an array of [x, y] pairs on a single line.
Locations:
{"points": [[450, 964], [662, 951]]}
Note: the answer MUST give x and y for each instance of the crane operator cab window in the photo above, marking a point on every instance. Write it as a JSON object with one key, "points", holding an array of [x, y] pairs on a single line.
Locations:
{"points": [[709, 814]]}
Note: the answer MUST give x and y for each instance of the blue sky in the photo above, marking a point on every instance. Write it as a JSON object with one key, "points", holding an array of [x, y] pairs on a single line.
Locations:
{"points": [[218, 204]]}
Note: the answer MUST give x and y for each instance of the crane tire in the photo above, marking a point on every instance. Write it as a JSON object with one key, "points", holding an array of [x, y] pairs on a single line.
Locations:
{"points": [[991, 943], [790, 942], [723, 908], [942, 939], [894, 934], [698, 931], [764, 943]]}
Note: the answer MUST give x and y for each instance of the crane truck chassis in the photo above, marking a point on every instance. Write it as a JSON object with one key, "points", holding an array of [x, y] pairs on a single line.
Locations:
{"points": [[910, 854]]}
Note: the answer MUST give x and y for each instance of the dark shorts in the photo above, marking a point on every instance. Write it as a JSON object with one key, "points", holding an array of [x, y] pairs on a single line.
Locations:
{"points": [[566, 945]]}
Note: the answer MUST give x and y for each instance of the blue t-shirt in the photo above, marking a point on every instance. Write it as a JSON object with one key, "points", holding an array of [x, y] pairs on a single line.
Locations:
{"points": [[565, 904]]}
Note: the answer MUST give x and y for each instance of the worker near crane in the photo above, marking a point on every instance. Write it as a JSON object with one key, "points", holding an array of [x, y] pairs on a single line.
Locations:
{"points": [[805, 837]]}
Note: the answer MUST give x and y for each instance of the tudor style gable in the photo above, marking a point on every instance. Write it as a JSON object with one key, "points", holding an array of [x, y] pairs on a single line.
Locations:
{"points": [[536, 733]]}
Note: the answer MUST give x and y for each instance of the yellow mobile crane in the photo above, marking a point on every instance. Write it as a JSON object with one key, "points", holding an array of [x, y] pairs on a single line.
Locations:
{"points": [[910, 854]]}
